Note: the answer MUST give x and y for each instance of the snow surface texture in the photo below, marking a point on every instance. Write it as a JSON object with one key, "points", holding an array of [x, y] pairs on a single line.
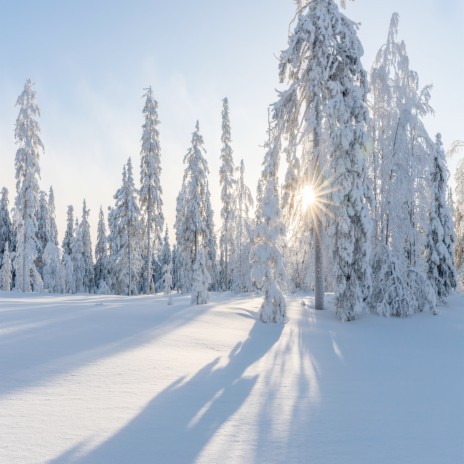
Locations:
{"points": [[105, 379]]}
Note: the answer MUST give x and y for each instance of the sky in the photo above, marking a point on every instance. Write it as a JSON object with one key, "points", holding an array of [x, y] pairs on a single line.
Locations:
{"points": [[90, 62]]}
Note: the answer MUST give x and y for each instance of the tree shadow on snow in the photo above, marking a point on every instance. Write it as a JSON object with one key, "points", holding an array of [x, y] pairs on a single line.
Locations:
{"points": [[47, 340], [178, 423]]}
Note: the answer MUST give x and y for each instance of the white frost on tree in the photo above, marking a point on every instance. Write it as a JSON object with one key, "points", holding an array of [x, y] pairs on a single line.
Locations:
{"points": [[323, 117], [150, 190], [77, 258], [400, 168], [42, 230], [211, 243], [89, 275], [6, 229], [200, 280], [52, 270], [27, 190], [268, 270], [6, 274], [67, 264], [227, 183], [459, 219], [125, 236], [101, 256], [242, 234], [194, 221], [439, 249], [167, 281]]}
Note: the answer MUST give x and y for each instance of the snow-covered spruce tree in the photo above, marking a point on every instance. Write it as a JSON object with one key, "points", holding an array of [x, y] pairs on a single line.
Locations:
{"points": [[167, 280], [101, 256], [126, 231], [242, 235], [192, 230], [150, 185], [267, 269], [6, 229], [211, 243], [89, 275], [397, 293], [52, 270], [176, 268], [77, 257], [69, 232], [166, 254], [227, 182], [323, 118], [52, 228], [42, 230], [27, 190], [67, 264], [161, 257], [439, 249], [200, 280], [6, 274]]}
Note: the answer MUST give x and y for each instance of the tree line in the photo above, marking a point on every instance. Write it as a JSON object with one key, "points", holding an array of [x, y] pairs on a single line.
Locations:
{"points": [[379, 233]]}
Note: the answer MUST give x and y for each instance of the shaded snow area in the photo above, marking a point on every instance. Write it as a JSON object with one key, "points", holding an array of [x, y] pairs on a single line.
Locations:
{"points": [[104, 379]]}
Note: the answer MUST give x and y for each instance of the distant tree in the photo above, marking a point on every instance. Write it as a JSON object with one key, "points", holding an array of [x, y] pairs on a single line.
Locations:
{"points": [[227, 181], [182, 274], [6, 229], [27, 190], [211, 243], [52, 270], [42, 230], [167, 280], [200, 280], [68, 274], [101, 254], [176, 268], [69, 232], [67, 264], [268, 270], [194, 220], [166, 254], [52, 228], [6, 269], [150, 191], [440, 238], [125, 238], [89, 274], [242, 235], [77, 257]]}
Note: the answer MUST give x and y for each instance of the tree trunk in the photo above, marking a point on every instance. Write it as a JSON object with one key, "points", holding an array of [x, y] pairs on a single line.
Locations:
{"points": [[149, 271], [130, 264], [319, 277]]}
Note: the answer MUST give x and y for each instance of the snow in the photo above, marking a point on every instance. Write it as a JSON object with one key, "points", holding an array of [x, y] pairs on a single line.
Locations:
{"points": [[115, 379]]}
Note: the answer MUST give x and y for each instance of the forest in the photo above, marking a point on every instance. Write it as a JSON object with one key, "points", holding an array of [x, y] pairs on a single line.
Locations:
{"points": [[353, 199]]}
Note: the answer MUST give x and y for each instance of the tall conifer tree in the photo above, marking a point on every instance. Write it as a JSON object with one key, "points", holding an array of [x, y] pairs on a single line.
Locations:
{"points": [[227, 181], [150, 191], [27, 135]]}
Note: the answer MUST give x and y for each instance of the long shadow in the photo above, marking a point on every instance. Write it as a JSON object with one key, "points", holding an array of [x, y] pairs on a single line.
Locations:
{"points": [[176, 424], [40, 341]]}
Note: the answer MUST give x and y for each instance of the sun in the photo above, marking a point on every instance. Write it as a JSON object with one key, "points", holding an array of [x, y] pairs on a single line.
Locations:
{"points": [[308, 196]]}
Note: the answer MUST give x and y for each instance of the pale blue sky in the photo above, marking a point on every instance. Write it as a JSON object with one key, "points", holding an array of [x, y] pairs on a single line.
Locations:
{"points": [[91, 60]]}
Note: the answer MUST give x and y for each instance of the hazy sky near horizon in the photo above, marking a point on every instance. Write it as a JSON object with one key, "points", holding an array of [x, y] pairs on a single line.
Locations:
{"points": [[91, 60]]}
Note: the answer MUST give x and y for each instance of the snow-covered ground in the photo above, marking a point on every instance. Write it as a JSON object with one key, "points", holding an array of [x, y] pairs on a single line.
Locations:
{"points": [[104, 379]]}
